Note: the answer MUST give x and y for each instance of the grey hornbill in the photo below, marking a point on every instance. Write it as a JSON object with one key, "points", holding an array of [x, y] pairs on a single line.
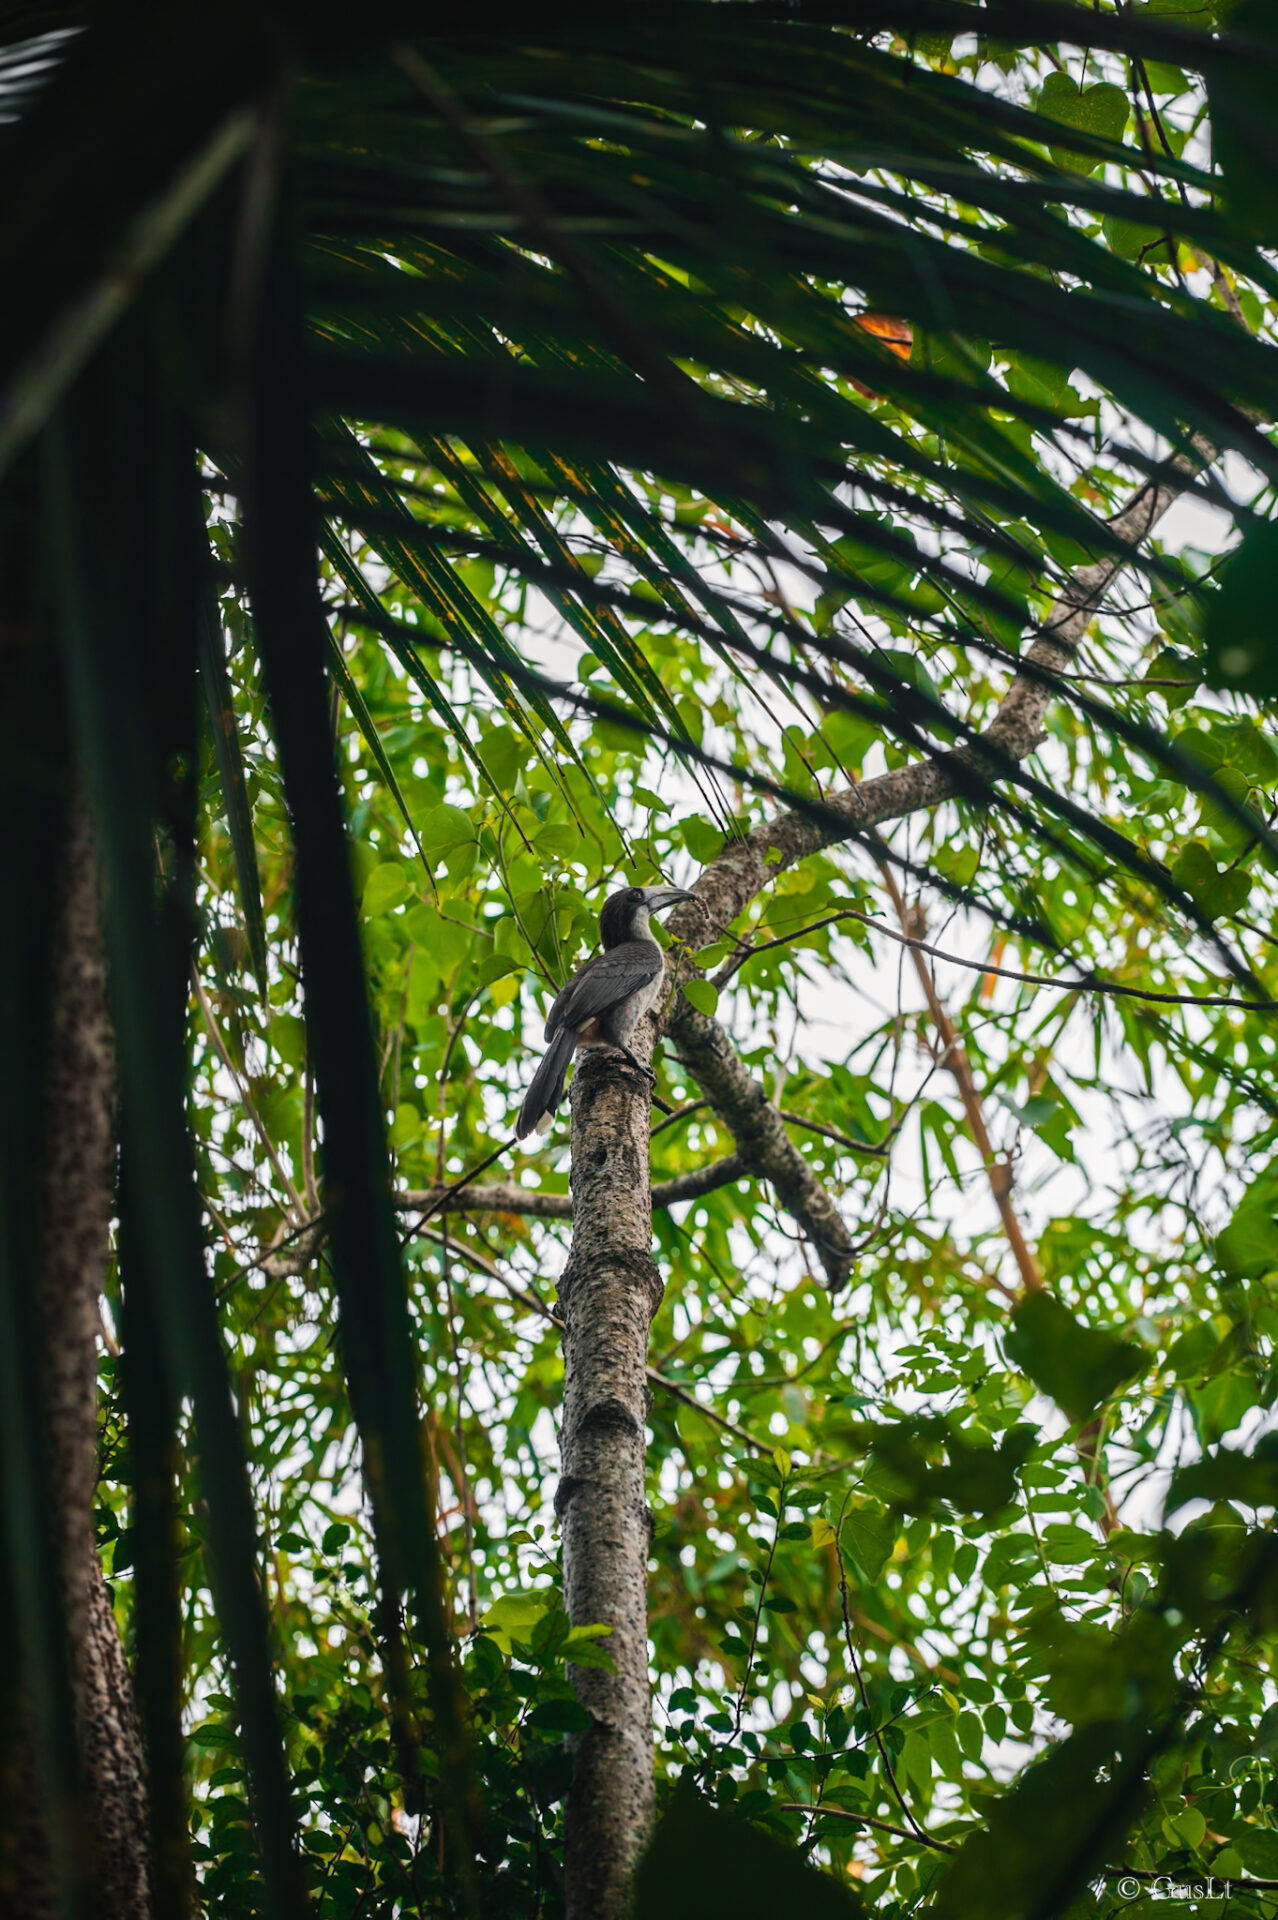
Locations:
{"points": [[601, 1006], [605, 1000]]}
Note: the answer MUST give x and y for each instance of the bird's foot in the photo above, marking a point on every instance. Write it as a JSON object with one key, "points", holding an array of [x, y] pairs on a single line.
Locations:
{"points": [[639, 1067]]}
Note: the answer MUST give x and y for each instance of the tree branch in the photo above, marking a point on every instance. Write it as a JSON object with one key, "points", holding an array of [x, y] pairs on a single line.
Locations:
{"points": [[953, 1055], [738, 959], [558, 1206], [747, 866], [288, 1261], [763, 1146], [920, 1839]]}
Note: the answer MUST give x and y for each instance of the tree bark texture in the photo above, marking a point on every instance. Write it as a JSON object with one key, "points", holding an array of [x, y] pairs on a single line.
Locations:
{"points": [[76, 1208], [611, 1287], [749, 866], [609, 1292]]}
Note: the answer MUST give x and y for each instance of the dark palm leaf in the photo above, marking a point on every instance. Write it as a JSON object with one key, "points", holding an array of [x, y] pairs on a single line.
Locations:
{"points": [[542, 265]]}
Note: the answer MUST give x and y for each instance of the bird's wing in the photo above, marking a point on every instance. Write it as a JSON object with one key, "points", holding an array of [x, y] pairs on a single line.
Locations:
{"points": [[604, 982]]}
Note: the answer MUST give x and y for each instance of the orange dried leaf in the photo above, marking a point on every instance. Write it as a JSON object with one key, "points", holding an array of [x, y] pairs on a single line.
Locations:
{"points": [[896, 335]]}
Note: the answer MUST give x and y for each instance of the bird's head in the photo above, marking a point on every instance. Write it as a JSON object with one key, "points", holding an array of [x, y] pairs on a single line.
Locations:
{"points": [[625, 914]]}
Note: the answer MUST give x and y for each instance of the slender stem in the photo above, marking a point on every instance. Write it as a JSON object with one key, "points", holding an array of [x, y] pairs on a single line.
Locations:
{"points": [[854, 1660], [463, 1491], [246, 1100], [954, 1056], [1111, 987], [872, 1820], [758, 1615]]}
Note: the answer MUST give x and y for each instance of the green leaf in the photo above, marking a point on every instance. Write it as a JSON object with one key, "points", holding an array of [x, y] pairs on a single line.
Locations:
{"points": [[701, 1862], [560, 1716], [1189, 1353], [1251, 1478], [977, 1478], [1186, 1829], [1078, 1366], [443, 828], [1238, 626], [1248, 1246], [583, 1649], [911, 671], [517, 1613], [387, 886], [1218, 893], [869, 1535], [701, 994], [1101, 109], [1049, 1833], [702, 839], [1258, 1847], [1240, 93]]}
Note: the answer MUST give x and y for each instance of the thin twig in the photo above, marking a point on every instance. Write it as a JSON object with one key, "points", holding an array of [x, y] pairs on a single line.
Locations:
{"points": [[875, 1147], [850, 1639], [758, 1615], [872, 1820], [246, 1098], [954, 1055], [680, 1113], [734, 962], [534, 1305]]}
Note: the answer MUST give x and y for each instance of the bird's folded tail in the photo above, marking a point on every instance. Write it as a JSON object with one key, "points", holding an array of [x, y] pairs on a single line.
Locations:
{"points": [[547, 1088]]}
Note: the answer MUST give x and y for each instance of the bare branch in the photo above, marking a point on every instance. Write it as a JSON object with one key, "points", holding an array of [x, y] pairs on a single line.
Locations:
{"points": [[953, 1054], [737, 960], [558, 1206], [869, 1820], [747, 866], [764, 1148]]}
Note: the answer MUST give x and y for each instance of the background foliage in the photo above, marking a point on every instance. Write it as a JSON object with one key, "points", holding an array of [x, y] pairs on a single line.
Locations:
{"points": [[688, 436]]}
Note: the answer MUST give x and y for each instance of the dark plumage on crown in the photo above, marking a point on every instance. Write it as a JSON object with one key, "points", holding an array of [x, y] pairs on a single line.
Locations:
{"points": [[617, 921]]}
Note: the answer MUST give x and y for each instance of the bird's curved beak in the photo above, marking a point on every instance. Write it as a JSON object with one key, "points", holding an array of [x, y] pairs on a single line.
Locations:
{"points": [[659, 898]]}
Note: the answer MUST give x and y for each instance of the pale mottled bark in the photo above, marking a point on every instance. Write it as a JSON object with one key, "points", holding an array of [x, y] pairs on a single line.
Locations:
{"points": [[609, 1292], [749, 866], [558, 1206], [76, 1205], [611, 1287], [763, 1147]]}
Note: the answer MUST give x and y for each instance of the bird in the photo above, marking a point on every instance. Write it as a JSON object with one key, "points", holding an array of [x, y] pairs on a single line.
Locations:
{"points": [[605, 1000]]}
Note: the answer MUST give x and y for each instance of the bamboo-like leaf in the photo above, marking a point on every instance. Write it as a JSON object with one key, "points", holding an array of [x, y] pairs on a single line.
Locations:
{"points": [[378, 1342], [224, 723], [368, 733], [101, 668], [410, 659], [465, 622]]}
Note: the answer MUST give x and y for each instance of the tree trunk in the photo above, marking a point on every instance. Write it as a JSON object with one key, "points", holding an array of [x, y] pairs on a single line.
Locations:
{"points": [[76, 1208], [610, 1291]]}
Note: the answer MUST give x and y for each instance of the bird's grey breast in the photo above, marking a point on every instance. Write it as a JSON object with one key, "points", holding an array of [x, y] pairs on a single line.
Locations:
{"points": [[644, 975]]}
